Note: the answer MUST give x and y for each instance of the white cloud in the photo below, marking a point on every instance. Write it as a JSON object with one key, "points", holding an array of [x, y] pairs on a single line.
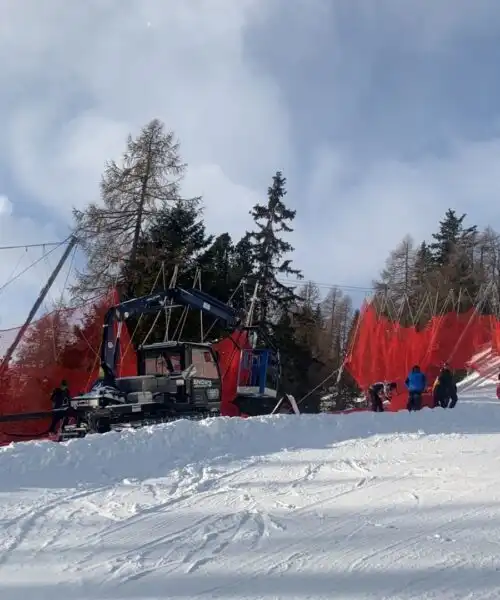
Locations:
{"points": [[431, 26], [369, 212], [87, 75], [187, 68], [5, 206], [76, 78]]}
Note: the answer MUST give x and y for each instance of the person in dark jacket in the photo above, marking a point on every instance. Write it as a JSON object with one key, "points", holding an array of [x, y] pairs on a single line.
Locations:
{"points": [[60, 399], [60, 396], [416, 382], [380, 393], [445, 389]]}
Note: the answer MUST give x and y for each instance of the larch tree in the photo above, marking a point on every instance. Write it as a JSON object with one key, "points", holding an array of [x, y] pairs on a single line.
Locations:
{"points": [[337, 314], [487, 256], [133, 192], [486, 270], [299, 335], [307, 319], [343, 325], [394, 286]]}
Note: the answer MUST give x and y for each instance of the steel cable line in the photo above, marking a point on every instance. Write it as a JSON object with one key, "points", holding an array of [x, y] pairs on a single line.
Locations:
{"points": [[41, 245], [34, 263]]}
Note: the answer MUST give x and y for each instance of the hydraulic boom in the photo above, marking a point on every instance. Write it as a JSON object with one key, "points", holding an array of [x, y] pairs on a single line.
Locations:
{"points": [[190, 298]]}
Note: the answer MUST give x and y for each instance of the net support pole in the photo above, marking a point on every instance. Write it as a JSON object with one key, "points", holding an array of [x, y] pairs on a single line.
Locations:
{"points": [[481, 300], [41, 297], [251, 313]]}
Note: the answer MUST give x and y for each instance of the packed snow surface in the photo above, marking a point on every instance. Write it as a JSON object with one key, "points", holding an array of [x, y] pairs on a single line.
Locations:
{"points": [[365, 506]]}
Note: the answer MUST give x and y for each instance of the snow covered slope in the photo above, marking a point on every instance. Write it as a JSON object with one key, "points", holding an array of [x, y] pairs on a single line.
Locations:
{"points": [[363, 506], [481, 384], [476, 388]]}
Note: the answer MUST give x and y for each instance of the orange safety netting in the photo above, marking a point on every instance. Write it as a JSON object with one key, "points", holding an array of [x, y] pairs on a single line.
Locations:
{"points": [[61, 345], [385, 350]]}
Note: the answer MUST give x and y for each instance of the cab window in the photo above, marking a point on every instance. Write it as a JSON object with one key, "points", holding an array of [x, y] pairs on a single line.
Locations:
{"points": [[159, 365], [155, 365], [204, 362]]}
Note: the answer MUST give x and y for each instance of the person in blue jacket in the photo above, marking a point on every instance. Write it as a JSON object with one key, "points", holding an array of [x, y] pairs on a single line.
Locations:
{"points": [[416, 382]]}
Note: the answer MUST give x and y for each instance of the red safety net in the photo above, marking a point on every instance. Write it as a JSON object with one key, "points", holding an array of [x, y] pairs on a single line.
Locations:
{"points": [[61, 345], [229, 351], [383, 349], [65, 345]]}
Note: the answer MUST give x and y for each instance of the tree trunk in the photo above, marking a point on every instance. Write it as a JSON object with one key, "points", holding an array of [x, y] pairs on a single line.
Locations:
{"points": [[140, 211]]}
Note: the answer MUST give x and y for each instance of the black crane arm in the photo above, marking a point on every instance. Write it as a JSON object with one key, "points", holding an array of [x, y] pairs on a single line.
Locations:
{"points": [[191, 298]]}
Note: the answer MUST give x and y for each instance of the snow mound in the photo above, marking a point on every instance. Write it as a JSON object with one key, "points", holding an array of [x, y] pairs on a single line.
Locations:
{"points": [[476, 387], [371, 506], [157, 450], [481, 384]]}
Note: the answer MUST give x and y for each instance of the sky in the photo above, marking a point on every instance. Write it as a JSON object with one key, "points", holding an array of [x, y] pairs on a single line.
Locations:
{"points": [[380, 114]]}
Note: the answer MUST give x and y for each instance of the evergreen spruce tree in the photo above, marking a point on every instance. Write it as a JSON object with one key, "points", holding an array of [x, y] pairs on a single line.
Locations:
{"points": [[243, 258], [279, 310], [422, 286], [268, 251], [423, 263], [220, 275], [453, 255], [176, 238], [451, 237]]}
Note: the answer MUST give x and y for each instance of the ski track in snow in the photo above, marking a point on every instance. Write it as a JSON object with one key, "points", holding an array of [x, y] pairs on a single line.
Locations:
{"points": [[412, 514]]}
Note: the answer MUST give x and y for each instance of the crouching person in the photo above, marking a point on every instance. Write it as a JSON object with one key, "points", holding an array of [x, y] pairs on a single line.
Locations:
{"points": [[416, 382], [380, 394]]}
